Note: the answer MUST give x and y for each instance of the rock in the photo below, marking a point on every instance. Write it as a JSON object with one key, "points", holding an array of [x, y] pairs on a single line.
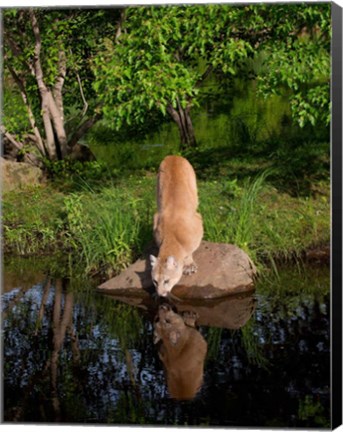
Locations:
{"points": [[18, 175], [319, 255], [82, 153], [223, 269]]}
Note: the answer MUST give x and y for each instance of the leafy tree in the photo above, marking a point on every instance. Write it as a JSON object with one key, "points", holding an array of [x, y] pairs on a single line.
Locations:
{"points": [[164, 55], [155, 64], [46, 56], [298, 61]]}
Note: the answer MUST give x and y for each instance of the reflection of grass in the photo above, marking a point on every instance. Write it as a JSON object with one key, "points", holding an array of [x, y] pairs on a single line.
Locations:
{"points": [[213, 339], [311, 411], [125, 323], [294, 283], [252, 346]]}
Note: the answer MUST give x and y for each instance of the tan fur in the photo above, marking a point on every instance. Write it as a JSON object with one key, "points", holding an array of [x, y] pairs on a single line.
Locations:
{"points": [[182, 351], [178, 228]]}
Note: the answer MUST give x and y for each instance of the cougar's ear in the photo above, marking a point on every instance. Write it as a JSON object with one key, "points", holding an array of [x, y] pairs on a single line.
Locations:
{"points": [[153, 260], [171, 263]]}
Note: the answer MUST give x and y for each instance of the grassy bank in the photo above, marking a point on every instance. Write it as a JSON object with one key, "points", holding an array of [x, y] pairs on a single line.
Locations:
{"points": [[104, 227]]}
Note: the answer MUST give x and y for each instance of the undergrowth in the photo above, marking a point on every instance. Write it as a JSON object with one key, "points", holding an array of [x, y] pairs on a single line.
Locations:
{"points": [[104, 228]]}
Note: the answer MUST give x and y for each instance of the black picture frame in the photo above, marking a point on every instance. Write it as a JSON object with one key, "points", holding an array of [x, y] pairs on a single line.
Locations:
{"points": [[336, 231]]}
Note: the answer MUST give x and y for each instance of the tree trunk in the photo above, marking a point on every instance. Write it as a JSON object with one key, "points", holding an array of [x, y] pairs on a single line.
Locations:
{"points": [[52, 111], [82, 130], [50, 145], [54, 145], [184, 123], [58, 125]]}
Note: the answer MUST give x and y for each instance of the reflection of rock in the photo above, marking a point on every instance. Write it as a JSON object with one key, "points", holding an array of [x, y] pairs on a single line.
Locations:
{"points": [[223, 269], [182, 351], [231, 312]]}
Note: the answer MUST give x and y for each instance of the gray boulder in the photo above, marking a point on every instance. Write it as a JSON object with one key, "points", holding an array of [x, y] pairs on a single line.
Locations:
{"points": [[223, 269], [19, 175]]}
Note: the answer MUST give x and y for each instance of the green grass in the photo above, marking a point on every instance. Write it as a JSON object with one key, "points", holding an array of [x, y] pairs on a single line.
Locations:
{"points": [[105, 228], [108, 229], [31, 219], [265, 222]]}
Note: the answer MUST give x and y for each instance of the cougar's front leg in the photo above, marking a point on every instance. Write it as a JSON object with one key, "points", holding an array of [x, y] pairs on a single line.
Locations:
{"points": [[189, 265]]}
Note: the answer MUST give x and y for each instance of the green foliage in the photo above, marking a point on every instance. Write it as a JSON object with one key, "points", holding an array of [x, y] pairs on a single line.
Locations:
{"points": [[14, 114], [67, 170], [154, 63], [300, 64], [67, 37], [263, 221], [123, 154], [105, 227], [31, 220], [160, 58], [246, 211], [168, 57]]}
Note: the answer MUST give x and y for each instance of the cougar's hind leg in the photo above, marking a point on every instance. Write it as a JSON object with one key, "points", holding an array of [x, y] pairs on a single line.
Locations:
{"points": [[157, 235]]}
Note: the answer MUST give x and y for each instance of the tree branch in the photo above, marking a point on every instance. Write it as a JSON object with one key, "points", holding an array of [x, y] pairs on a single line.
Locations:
{"points": [[37, 51], [11, 138], [204, 76], [18, 145], [57, 90], [82, 129], [85, 103], [120, 26], [53, 121], [20, 84], [17, 51]]}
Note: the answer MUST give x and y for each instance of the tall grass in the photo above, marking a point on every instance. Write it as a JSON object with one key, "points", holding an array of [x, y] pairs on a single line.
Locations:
{"points": [[230, 217], [244, 217], [108, 229], [105, 227]]}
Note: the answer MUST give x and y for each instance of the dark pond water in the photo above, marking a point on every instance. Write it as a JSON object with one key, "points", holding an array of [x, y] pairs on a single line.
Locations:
{"points": [[72, 355]]}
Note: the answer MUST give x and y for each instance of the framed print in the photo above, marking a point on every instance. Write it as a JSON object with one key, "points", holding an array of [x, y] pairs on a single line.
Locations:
{"points": [[172, 215]]}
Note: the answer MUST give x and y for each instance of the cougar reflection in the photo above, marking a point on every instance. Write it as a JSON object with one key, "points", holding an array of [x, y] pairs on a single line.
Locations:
{"points": [[182, 351]]}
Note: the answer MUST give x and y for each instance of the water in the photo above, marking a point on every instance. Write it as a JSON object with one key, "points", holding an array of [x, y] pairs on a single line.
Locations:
{"points": [[239, 120], [72, 355]]}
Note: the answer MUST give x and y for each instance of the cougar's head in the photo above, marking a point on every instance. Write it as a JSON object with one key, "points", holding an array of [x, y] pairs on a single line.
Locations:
{"points": [[165, 274]]}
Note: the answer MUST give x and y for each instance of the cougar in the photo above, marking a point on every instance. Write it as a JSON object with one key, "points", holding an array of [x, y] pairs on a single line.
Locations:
{"points": [[182, 351], [178, 228]]}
